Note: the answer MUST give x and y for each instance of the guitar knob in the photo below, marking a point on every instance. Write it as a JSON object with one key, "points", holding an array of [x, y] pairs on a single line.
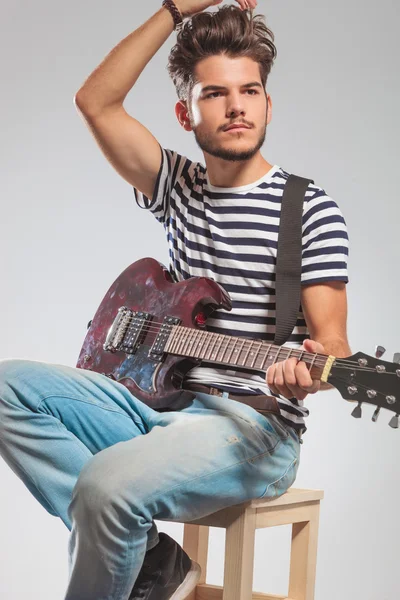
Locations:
{"points": [[376, 414], [379, 351], [357, 412], [200, 319], [394, 422]]}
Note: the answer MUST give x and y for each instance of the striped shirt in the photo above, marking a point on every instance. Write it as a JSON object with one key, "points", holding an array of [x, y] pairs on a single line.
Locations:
{"points": [[231, 235]]}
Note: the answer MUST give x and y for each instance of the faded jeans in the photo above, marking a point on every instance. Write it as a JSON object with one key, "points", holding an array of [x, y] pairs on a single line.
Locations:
{"points": [[108, 465]]}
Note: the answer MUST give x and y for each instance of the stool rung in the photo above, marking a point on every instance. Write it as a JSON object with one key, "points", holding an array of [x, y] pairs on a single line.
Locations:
{"points": [[214, 592]]}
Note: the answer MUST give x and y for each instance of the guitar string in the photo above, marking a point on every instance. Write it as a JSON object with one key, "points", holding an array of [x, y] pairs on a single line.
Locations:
{"points": [[320, 360], [350, 367]]}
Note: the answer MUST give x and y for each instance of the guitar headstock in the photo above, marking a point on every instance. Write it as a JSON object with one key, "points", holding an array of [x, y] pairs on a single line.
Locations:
{"points": [[369, 380]]}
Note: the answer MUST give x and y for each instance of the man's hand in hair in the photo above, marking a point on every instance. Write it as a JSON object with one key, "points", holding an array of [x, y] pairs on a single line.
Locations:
{"points": [[188, 8]]}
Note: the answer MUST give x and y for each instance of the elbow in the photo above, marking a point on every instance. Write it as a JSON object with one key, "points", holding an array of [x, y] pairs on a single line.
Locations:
{"points": [[81, 102]]}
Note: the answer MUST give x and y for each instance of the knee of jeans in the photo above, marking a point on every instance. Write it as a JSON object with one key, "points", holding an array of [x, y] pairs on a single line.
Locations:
{"points": [[101, 496], [9, 368], [11, 372]]}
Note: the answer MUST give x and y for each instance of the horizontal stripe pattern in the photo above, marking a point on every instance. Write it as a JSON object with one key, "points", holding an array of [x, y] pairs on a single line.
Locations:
{"points": [[231, 235]]}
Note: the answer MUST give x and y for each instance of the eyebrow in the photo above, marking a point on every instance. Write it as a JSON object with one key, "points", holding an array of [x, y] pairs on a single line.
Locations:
{"points": [[222, 88]]}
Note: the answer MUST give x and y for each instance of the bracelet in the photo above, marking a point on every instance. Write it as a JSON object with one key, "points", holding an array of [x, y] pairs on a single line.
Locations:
{"points": [[176, 15]]}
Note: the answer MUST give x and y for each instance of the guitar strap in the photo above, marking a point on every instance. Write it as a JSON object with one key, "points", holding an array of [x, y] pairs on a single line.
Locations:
{"points": [[288, 261]]}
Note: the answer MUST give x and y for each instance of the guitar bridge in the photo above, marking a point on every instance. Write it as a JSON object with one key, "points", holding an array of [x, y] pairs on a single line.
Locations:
{"points": [[127, 331]]}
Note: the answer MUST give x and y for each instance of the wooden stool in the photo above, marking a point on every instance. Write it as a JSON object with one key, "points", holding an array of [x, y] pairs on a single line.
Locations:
{"points": [[297, 507]]}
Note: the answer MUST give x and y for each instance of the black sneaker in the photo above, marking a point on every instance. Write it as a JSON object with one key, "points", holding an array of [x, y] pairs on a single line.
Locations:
{"points": [[167, 573]]}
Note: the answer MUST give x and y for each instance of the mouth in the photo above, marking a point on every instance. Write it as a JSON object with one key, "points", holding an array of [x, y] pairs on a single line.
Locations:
{"points": [[236, 128]]}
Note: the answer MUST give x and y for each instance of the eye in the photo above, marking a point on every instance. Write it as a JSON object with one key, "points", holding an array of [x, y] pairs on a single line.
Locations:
{"points": [[213, 94]]}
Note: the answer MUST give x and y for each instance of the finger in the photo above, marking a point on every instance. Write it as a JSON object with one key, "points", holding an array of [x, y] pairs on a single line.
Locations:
{"points": [[304, 380], [313, 347], [303, 376], [289, 375], [270, 376], [280, 383]]}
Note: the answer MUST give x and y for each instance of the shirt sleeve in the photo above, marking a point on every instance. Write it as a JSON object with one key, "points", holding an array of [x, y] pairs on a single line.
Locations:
{"points": [[170, 171], [325, 240]]}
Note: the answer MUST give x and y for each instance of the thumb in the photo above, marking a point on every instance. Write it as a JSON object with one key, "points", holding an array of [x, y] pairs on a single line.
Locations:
{"points": [[313, 347]]}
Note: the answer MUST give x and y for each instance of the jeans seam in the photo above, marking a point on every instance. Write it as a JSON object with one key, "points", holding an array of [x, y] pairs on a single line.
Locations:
{"points": [[273, 483], [120, 412]]}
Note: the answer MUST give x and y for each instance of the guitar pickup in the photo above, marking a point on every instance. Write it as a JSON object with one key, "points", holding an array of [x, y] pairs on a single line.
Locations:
{"points": [[158, 348], [127, 331]]}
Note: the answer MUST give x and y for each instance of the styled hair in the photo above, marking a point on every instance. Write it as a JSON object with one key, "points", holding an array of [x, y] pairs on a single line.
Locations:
{"points": [[228, 31]]}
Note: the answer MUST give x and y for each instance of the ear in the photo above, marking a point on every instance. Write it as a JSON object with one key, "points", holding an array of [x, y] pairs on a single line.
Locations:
{"points": [[183, 115], [269, 109]]}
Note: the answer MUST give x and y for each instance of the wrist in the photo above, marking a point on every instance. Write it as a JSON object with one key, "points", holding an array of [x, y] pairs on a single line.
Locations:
{"points": [[175, 11]]}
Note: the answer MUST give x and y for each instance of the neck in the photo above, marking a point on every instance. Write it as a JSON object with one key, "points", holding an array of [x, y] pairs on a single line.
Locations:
{"points": [[222, 173]]}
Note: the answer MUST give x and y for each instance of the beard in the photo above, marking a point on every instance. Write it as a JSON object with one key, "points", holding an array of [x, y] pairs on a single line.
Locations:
{"points": [[208, 143]]}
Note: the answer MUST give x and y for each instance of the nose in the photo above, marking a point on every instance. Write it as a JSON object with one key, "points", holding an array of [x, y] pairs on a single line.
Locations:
{"points": [[235, 106]]}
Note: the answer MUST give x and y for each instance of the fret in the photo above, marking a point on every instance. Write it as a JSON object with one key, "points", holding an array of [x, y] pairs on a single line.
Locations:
{"points": [[266, 356], [206, 344], [194, 336], [180, 340], [170, 341], [256, 355], [191, 335], [185, 342], [207, 348], [219, 347], [233, 347], [198, 341], [175, 340], [238, 352], [313, 361], [248, 352], [202, 340], [226, 339], [277, 354], [215, 338]]}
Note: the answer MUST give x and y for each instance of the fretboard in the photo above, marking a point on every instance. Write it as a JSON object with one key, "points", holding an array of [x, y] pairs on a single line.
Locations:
{"points": [[235, 351]]}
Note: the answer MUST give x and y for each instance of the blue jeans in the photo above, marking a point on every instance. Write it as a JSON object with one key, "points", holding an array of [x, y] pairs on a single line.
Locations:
{"points": [[108, 465]]}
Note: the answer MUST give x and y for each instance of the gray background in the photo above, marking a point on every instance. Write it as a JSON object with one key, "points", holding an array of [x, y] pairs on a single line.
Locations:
{"points": [[69, 226]]}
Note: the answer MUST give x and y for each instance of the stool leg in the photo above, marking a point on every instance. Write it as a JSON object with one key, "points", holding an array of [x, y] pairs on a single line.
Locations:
{"points": [[195, 544], [303, 560], [239, 557]]}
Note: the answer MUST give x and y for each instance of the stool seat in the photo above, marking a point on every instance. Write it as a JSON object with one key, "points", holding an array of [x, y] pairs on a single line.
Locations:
{"points": [[296, 507]]}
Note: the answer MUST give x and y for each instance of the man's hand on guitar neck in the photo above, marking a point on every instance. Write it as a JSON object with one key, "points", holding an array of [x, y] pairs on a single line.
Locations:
{"points": [[291, 378]]}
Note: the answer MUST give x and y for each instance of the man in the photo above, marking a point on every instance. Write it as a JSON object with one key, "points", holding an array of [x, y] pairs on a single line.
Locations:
{"points": [[89, 451]]}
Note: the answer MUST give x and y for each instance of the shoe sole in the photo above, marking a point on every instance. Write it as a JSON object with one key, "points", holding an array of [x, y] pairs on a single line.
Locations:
{"points": [[189, 583]]}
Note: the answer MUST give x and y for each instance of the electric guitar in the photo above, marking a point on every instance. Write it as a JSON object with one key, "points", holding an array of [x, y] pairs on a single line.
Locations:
{"points": [[149, 331]]}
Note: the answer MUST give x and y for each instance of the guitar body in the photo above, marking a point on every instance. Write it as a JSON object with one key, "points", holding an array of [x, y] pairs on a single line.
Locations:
{"points": [[146, 287]]}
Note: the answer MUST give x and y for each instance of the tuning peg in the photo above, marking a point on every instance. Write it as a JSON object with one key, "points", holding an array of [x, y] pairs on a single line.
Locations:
{"points": [[394, 422], [376, 414], [396, 358], [357, 412], [379, 351]]}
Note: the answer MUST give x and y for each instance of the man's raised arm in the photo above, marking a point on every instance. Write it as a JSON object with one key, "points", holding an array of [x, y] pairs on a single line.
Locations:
{"points": [[129, 146]]}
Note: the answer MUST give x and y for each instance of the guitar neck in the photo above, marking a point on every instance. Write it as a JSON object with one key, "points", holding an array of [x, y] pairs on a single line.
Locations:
{"points": [[239, 352]]}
